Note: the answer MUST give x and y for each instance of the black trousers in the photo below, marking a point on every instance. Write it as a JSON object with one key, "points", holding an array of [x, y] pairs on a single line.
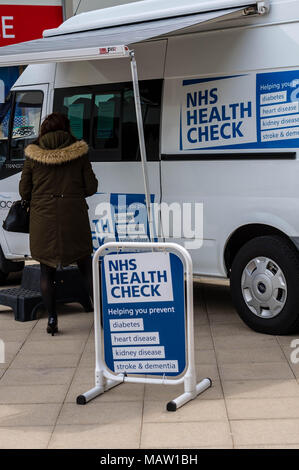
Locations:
{"points": [[47, 285]]}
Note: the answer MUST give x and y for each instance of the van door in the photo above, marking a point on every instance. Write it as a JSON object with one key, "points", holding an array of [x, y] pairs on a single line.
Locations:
{"points": [[21, 127], [105, 117]]}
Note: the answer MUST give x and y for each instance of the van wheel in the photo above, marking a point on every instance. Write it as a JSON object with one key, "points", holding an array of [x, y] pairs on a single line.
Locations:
{"points": [[265, 285], [3, 277]]}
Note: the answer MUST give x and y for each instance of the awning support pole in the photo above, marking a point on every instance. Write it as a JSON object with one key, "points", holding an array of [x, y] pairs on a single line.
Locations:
{"points": [[142, 142]]}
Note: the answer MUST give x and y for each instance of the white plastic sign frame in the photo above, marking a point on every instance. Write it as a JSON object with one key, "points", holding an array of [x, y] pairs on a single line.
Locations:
{"points": [[104, 379]]}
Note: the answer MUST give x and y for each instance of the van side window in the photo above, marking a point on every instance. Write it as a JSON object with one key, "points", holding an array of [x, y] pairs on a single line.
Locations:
{"points": [[105, 117], [150, 95], [106, 121], [26, 121], [78, 109]]}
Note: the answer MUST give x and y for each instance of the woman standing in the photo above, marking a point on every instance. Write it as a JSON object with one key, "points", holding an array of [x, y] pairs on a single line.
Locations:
{"points": [[56, 178]]}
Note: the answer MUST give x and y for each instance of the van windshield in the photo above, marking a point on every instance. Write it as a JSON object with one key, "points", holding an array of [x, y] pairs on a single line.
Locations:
{"points": [[26, 121], [20, 118]]}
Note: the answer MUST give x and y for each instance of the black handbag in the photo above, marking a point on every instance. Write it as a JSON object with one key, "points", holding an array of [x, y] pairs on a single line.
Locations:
{"points": [[17, 219]]}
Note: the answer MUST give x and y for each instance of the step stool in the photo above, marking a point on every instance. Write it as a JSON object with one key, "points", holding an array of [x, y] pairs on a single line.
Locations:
{"points": [[26, 299]]}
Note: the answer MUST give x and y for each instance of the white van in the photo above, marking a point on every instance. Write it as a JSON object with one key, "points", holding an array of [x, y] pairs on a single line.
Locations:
{"points": [[220, 102]]}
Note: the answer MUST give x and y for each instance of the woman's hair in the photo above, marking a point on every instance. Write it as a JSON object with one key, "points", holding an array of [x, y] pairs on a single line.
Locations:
{"points": [[55, 122]]}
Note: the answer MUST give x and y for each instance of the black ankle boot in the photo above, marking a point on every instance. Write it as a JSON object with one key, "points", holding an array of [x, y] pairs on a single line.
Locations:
{"points": [[52, 327]]}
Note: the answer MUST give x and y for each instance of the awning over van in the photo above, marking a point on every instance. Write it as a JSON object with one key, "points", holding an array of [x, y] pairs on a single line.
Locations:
{"points": [[147, 10], [112, 41]]}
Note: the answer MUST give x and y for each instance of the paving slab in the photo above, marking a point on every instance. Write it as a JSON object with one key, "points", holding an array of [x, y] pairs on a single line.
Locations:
{"points": [[262, 371], [45, 361], [196, 410], [260, 388], [25, 437], [38, 376], [99, 436], [29, 414], [54, 346], [244, 342], [251, 356], [262, 408], [180, 435], [11, 350], [124, 412], [14, 335], [10, 394], [266, 431]]}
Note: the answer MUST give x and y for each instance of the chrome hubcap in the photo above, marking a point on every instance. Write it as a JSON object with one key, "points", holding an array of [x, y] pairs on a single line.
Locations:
{"points": [[264, 287]]}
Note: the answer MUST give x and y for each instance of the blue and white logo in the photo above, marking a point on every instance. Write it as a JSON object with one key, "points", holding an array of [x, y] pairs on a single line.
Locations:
{"points": [[250, 111]]}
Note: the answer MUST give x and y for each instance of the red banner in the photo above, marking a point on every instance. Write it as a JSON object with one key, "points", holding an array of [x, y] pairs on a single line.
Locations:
{"points": [[19, 23]]}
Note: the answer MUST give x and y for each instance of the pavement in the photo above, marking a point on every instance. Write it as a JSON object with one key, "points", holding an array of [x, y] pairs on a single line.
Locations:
{"points": [[253, 403]]}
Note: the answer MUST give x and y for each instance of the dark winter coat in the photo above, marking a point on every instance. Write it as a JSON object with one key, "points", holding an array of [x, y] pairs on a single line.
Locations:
{"points": [[56, 178]]}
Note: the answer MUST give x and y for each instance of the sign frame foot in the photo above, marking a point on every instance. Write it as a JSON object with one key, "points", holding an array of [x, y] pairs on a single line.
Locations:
{"points": [[94, 392], [181, 400], [84, 398]]}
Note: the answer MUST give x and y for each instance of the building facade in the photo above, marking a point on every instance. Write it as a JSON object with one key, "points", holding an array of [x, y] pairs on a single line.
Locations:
{"points": [[74, 7], [24, 20]]}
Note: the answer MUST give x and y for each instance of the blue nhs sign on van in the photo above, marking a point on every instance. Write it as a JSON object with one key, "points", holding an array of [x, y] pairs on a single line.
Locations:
{"points": [[248, 111]]}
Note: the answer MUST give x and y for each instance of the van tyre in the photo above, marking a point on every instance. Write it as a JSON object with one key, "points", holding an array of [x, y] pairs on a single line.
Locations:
{"points": [[265, 285]]}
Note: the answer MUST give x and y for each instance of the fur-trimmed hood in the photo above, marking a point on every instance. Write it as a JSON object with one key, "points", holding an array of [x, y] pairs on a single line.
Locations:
{"points": [[56, 156]]}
